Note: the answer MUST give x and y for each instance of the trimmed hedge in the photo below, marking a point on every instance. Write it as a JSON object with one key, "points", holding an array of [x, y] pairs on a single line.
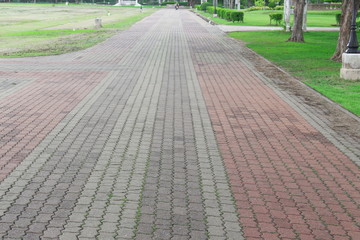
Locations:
{"points": [[224, 13], [279, 8], [277, 17], [204, 5], [210, 9], [220, 12], [338, 18], [237, 16], [230, 14]]}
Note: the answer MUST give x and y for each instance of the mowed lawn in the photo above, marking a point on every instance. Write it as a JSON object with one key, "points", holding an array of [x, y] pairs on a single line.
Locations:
{"points": [[261, 18], [45, 29], [310, 62]]}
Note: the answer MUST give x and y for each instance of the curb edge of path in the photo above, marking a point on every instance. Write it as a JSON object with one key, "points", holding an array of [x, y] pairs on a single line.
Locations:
{"points": [[336, 136], [318, 94]]}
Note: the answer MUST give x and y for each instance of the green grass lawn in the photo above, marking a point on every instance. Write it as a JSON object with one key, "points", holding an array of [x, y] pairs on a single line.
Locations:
{"points": [[261, 18], [307, 61], [46, 29]]}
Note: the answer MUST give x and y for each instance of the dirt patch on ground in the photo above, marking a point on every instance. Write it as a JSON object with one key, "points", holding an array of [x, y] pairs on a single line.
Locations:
{"points": [[339, 119]]}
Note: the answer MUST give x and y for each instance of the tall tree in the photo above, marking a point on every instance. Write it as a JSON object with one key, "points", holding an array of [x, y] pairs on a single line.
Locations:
{"points": [[304, 27], [345, 24], [287, 15], [297, 34]]}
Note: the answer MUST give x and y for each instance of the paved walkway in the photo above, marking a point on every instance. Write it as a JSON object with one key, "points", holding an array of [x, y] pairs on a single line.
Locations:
{"points": [[166, 131]]}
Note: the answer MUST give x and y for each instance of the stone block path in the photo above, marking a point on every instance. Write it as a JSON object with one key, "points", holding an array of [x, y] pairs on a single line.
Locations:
{"points": [[166, 131]]}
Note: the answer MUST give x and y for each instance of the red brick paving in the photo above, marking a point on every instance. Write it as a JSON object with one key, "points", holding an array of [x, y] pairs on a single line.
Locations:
{"points": [[29, 114], [288, 180]]}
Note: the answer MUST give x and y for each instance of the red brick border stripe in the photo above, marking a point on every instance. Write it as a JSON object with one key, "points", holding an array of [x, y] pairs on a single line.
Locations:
{"points": [[29, 114], [288, 180]]}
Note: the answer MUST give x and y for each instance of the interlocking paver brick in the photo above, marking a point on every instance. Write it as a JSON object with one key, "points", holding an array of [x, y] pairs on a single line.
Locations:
{"points": [[168, 131], [268, 148]]}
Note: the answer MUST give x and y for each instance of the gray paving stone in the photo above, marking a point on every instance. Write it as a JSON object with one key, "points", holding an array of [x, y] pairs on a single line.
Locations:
{"points": [[136, 157], [70, 236], [126, 233], [52, 232], [142, 236], [16, 233], [162, 234], [36, 228]]}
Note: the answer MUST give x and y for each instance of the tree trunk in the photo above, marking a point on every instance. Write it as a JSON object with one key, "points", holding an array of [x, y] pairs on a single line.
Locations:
{"points": [[345, 24], [287, 15], [232, 4], [304, 27], [297, 34]]}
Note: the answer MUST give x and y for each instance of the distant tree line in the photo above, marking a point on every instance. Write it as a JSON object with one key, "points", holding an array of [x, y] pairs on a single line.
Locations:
{"points": [[107, 2], [244, 3]]}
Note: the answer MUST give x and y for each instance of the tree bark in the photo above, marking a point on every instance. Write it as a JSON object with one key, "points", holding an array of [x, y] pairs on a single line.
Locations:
{"points": [[304, 27], [232, 4], [287, 15], [297, 34], [345, 24]]}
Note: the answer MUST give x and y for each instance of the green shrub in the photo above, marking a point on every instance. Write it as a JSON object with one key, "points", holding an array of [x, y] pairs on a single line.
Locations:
{"points": [[204, 5], [223, 13], [259, 3], [210, 9], [227, 15], [197, 7], [279, 8], [237, 16], [338, 18], [277, 17], [230, 14], [272, 4], [219, 12]]}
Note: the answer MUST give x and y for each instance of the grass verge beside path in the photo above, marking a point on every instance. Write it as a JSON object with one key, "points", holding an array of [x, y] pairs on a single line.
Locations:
{"points": [[49, 30], [261, 18], [308, 61]]}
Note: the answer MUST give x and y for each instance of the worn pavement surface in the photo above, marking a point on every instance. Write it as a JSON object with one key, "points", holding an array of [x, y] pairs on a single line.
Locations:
{"points": [[166, 131]]}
